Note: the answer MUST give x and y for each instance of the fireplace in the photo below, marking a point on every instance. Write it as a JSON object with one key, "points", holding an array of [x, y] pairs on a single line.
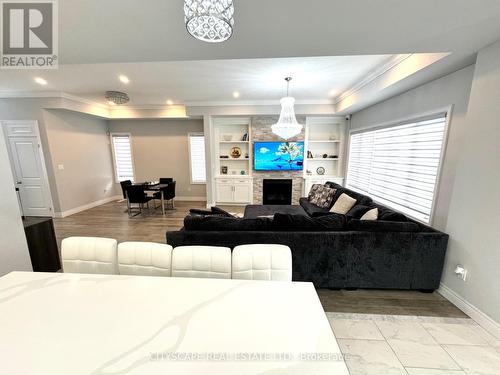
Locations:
{"points": [[277, 191]]}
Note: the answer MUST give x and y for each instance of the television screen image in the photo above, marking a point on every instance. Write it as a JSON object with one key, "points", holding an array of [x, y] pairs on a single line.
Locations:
{"points": [[278, 156]]}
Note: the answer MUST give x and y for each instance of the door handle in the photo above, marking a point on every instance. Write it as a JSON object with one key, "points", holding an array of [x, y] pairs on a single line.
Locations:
{"points": [[19, 182]]}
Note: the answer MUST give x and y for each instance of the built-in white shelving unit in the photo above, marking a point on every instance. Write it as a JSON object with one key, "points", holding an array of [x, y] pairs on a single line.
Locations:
{"points": [[229, 134], [325, 140], [236, 185]]}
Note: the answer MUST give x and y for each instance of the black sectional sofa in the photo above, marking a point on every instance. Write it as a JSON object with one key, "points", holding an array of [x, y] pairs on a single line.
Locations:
{"points": [[332, 250]]}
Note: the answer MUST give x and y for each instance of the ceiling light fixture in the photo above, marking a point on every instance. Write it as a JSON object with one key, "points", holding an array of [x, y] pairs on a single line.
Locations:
{"points": [[170, 102], [123, 79], [236, 94], [116, 97], [287, 125], [40, 81], [209, 20]]}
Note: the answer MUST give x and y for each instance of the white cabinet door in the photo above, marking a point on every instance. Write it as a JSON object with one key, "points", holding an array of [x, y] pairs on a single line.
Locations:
{"points": [[224, 193], [242, 193]]}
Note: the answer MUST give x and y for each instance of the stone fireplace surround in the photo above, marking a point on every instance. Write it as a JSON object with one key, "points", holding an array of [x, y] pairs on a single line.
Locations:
{"points": [[261, 131]]}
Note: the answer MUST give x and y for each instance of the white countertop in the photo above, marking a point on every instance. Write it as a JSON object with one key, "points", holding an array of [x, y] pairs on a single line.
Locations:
{"points": [[99, 324]]}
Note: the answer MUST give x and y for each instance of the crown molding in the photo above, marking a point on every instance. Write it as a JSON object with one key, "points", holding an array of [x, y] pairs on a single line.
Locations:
{"points": [[256, 103], [79, 99], [49, 94], [373, 75]]}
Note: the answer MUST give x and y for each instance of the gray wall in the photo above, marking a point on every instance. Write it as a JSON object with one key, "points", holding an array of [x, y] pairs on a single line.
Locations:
{"points": [[160, 149], [451, 89], [474, 217], [468, 208], [81, 144], [14, 254], [77, 141]]}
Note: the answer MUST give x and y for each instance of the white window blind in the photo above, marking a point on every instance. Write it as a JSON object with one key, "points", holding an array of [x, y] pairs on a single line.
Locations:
{"points": [[122, 153], [197, 158], [398, 166]]}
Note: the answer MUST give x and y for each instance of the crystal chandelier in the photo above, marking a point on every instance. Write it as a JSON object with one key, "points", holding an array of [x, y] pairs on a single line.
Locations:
{"points": [[209, 20], [116, 97], [287, 125]]}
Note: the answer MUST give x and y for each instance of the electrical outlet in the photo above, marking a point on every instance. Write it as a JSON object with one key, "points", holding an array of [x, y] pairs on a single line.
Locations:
{"points": [[461, 272]]}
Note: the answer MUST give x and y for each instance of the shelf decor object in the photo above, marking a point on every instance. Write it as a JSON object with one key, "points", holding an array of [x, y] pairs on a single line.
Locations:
{"points": [[236, 152], [209, 20], [287, 125], [320, 170]]}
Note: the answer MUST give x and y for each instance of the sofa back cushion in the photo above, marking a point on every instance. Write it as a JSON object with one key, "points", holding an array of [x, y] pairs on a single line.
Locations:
{"points": [[226, 224], [296, 223], [357, 211], [381, 226]]}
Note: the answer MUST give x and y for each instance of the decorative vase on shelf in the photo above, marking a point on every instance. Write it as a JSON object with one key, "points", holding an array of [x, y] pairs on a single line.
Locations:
{"points": [[236, 152]]}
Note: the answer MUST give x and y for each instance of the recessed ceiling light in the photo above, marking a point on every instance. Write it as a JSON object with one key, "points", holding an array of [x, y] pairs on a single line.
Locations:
{"points": [[170, 102], [124, 79], [236, 94], [40, 81]]}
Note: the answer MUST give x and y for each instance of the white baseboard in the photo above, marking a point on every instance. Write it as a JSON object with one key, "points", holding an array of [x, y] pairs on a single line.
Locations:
{"points": [[477, 315], [191, 199], [87, 206]]}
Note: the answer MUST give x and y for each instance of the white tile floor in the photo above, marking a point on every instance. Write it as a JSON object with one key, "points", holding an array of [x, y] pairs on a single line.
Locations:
{"points": [[412, 345]]}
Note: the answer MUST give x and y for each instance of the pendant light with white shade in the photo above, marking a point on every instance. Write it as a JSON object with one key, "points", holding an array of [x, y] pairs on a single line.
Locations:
{"points": [[287, 125]]}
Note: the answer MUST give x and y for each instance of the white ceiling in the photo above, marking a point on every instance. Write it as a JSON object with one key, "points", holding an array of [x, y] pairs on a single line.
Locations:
{"points": [[147, 41], [94, 31], [315, 79]]}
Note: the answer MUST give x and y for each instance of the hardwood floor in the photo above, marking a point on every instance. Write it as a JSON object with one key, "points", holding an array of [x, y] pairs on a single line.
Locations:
{"points": [[111, 220]]}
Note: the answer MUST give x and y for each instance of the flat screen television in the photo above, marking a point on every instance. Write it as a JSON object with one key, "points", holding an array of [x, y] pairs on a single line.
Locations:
{"points": [[278, 156]]}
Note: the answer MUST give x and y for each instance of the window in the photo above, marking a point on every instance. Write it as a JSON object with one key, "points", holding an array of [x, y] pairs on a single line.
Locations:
{"points": [[122, 156], [399, 165], [197, 158]]}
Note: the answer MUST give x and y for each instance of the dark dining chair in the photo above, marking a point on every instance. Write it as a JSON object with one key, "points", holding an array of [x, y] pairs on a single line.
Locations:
{"points": [[136, 195], [168, 193], [166, 180], [124, 185]]}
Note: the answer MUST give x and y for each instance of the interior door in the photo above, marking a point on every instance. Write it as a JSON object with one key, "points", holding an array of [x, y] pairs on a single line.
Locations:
{"points": [[29, 171]]}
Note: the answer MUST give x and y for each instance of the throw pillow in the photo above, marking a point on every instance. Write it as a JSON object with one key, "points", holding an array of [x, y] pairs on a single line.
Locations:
{"points": [[370, 215], [343, 204], [323, 197], [313, 190]]}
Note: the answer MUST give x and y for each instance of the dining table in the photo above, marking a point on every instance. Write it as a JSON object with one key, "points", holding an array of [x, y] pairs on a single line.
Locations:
{"points": [[62, 323], [155, 187]]}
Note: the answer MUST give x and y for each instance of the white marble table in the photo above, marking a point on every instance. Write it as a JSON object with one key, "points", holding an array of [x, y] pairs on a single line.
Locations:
{"points": [[99, 324]]}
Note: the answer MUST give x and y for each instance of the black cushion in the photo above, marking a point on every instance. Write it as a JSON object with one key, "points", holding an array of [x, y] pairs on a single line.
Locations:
{"points": [[295, 223], [196, 211], [219, 223], [253, 211], [219, 211], [310, 208], [381, 226], [358, 211], [390, 215]]}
